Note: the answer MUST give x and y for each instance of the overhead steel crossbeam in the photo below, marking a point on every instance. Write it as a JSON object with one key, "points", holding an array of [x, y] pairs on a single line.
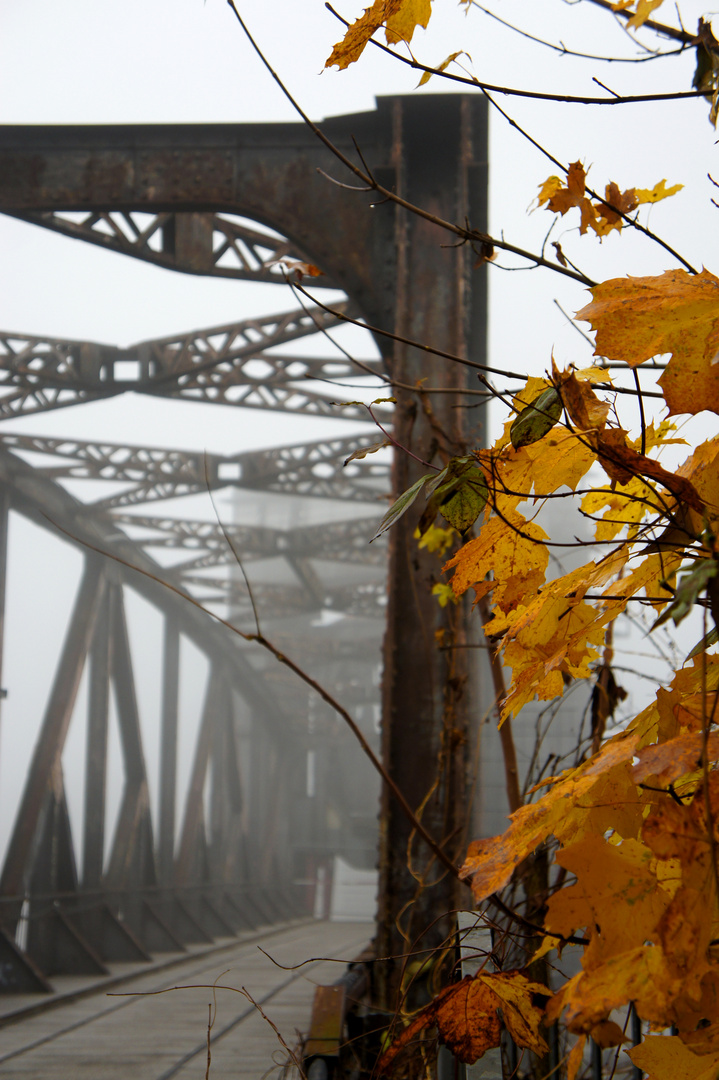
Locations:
{"points": [[337, 541], [151, 473], [211, 244], [368, 600], [228, 365], [218, 546]]}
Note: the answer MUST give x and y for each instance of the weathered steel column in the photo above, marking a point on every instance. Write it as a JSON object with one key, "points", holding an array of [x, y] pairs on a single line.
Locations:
{"points": [[439, 148], [96, 759], [168, 751]]}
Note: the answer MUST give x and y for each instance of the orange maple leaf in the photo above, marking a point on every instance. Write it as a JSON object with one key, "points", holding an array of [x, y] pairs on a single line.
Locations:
{"points": [[668, 761], [636, 319], [466, 1016], [490, 863]]}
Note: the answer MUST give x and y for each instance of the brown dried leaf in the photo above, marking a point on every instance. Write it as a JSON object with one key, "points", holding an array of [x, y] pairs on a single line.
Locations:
{"points": [[466, 1016]]}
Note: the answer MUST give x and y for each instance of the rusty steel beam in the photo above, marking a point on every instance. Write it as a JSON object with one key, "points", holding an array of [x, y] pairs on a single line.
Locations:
{"points": [[192, 837], [440, 159], [96, 751], [268, 173], [218, 245], [168, 750], [367, 600]]}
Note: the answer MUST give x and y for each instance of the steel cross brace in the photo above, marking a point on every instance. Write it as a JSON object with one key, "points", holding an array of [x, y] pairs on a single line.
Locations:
{"points": [[231, 364], [211, 244], [152, 473]]}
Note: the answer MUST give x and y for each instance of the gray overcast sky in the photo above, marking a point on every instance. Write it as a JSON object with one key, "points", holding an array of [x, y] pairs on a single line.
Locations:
{"points": [[92, 61]]}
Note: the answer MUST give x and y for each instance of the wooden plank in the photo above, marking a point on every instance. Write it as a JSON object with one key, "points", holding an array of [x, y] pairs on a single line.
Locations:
{"points": [[164, 1036]]}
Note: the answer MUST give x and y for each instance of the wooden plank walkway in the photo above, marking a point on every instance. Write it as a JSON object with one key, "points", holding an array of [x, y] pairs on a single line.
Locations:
{"points": [[99, 1036]]}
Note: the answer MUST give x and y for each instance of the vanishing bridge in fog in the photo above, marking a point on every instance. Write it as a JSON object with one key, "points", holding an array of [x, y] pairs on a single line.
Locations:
{"points": [[272, 788]]}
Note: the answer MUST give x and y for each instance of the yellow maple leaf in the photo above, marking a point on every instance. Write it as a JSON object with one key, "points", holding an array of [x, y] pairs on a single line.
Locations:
{"points": [[624, 506], [551, 186], [641, 975], [401, 25], [657, 193], [643, 10], [610, 878], [490, 863], [667, 761], [701, 468], [427, 75], [352, 46], [665, 1057], [676, 312], [558, 460], [507, 548], [555, 633]]}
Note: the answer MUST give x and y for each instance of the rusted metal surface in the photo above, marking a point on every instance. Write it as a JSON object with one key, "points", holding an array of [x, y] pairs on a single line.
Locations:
{"points": [[327, 1035], [265, 172], [440, 163], [213, 244]]}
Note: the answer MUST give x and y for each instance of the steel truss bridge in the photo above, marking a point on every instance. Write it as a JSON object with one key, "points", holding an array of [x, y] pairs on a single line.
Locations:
{"points": [[241, 846]]}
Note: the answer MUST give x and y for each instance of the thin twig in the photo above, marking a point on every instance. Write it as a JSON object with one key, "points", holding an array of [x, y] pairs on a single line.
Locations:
{"points": [[564, 51], [537, 95], [642, 418]]}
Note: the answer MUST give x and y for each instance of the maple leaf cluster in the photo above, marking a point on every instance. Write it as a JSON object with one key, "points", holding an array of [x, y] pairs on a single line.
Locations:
{"points": [[605, 214], [634, 828], [637, 824]]}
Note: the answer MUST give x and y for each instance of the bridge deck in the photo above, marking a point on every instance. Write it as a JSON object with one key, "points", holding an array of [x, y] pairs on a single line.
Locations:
{"points": [[98, 1036]]}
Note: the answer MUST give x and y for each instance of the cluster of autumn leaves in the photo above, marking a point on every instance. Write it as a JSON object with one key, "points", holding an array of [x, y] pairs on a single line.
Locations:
{"points": [[605, 214], [636, 824]]}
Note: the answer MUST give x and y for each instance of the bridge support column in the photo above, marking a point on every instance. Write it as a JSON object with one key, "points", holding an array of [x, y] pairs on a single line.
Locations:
{"points": [[440, 165]]}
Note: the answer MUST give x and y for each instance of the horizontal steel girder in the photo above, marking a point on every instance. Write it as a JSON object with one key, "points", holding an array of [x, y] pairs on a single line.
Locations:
{"points": [[226, 365], [368, 600], [336, 541], [275, 174], [152, 473], [207, 243]]}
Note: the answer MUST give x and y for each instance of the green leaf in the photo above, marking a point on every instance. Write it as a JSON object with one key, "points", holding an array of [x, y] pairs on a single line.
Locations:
{"points": [[402, 504], [537, 419], [458, 493], [688, 589], [462, 508]]}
